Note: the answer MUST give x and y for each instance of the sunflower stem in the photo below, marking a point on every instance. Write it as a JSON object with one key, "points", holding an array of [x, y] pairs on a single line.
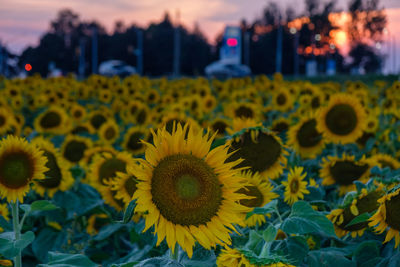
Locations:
{"points": [[17, 230]]}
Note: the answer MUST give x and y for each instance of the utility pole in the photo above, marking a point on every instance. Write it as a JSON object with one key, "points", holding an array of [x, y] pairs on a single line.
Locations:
{"points": [[82, 64], [246, 48], [177, 47], [278, 58], [94, 50], [1, 59], [296, 53], [139, 51]]}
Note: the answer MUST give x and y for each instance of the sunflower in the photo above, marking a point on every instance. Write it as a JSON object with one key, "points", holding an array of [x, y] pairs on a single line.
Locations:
{"points": [[54, 120], [78, 112], [91, 152], [282, 100], [242, 109], [387, 216], [74, 147], [305, 138], [96, 222], [280, 125], [295, 187], [152, 96], [58, 176], [20, 164], [260, 191], [261, 150], [4, 211], [109, 195], [344, 171], [109, 132], [106, 165], [5, 120], [209, 103], [342, 120], [124, 185], [132, 139], [385, 160], [239, 124], [362, 203], [219, 126], [188, 191], [232, 257], [96, 119]]}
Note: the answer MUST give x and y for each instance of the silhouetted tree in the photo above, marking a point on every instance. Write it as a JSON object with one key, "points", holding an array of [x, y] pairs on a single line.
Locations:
{"points": [[365, 30]]}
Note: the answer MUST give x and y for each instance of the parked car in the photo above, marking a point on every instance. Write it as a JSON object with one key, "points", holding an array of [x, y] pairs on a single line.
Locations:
{"points": [[225, 70], [116, 67]]}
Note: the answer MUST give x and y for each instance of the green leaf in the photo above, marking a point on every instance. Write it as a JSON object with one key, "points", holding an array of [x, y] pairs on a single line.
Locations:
{"points": [[129, 211], [43, 205], [359, 219], [46, 240], [269, 234], [255, 240], [304, 220], [159, 261], [325, 258], [367, 254], [268, 208], [107, 231], [66, 260], [9, 247]]}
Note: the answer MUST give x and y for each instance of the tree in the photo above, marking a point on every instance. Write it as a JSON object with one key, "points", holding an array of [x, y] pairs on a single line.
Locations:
{"points": [[365, 30]]}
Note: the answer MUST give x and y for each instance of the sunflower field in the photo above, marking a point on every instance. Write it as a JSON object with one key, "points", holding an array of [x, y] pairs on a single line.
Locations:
{"points": [[195, 172]]}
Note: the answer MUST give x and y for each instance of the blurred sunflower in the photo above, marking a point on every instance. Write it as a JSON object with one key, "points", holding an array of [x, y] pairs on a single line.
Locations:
{"points": [[305, 138], [4, 211], [74, 147], [342, 120], [108, 132], [77, 112], [344, 171], [96, 119], [188, 191], [106, 165], [232, 257], [21, 164], [385, 160], [54, 120], [242, 110], [282, 100], [362, 203], [260, 192], [96, 222], [132, 139], [239, 124], [97, 150], [261, 150], [124, 185], [58, 177], [387, 216], [5, 120], [280, 125], [219, 126], [295, 187]]}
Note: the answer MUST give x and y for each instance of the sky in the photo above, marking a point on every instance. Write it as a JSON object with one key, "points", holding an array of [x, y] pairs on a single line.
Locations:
{"points": [[22, 22]]}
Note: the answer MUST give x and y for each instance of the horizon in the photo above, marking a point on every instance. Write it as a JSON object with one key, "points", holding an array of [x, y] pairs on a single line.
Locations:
{"points": [[20, 29]]}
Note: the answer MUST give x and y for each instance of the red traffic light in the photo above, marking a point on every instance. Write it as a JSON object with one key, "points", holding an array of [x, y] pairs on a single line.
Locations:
{"points": [[232, 42], [28, 67]]}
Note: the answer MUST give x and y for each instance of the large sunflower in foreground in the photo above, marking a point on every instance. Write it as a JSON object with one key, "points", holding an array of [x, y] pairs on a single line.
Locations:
{"points": [[261, 150], [295, 187], [305, 138], [20, 164], [58, 177], [232, 257], [344, 171], [366, 201], [189, 192], [260, 191], [343, 120], [388, 216]]}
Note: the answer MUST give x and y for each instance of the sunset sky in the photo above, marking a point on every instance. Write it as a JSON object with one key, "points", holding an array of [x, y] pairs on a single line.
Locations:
{"points": [[22, 22]]}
